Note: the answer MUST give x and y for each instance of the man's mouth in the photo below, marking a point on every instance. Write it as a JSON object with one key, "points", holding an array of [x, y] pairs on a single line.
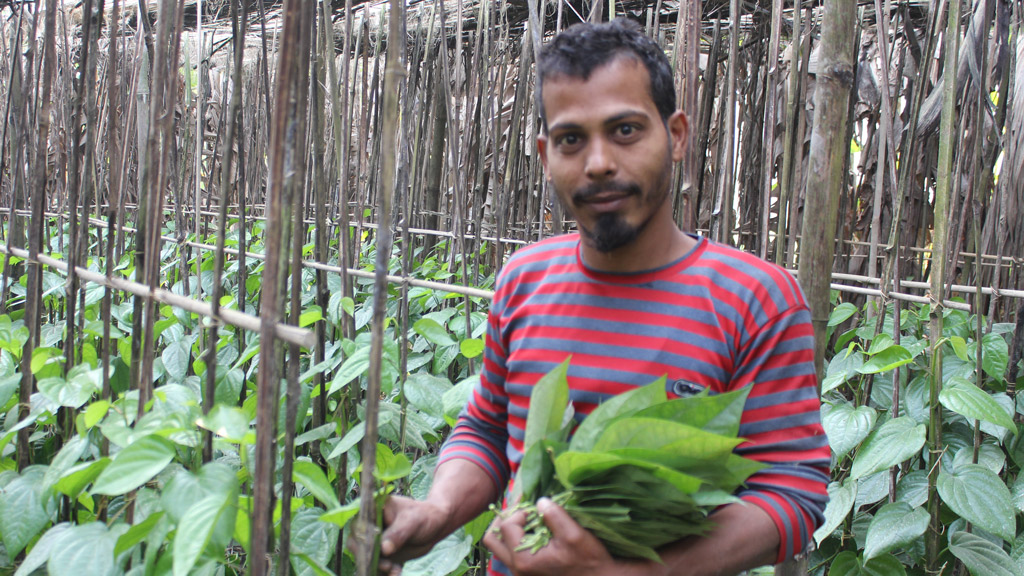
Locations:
{"points": [[605, 198]]}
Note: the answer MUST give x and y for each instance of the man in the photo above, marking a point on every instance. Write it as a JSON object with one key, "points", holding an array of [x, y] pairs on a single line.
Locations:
{"points": [[630, 298]]}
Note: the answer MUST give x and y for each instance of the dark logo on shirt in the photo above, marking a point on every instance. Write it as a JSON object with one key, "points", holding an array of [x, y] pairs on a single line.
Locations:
{"points": [[685, 388]]}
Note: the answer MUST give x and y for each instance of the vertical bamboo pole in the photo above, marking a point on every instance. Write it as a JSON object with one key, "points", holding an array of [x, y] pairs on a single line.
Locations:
{"points": [[933, 538], [770, 124], [33, 296], [790, 148], [282, 150], [366, 529], [721, 227]]}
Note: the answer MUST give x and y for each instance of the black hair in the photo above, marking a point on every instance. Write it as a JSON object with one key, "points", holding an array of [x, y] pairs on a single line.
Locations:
{"points": [[585, 47]]}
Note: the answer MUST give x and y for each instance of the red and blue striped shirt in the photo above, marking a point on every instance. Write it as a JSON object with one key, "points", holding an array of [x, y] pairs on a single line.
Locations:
{"points": [[717, 319]]}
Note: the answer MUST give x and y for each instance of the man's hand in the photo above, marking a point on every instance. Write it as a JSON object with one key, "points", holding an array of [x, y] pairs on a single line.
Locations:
{"points": [[572, 549], [411, 528]]}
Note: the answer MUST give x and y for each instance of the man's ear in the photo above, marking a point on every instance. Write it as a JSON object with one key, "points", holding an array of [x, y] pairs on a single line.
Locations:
{"points": [[679, 130], [542, 149]]}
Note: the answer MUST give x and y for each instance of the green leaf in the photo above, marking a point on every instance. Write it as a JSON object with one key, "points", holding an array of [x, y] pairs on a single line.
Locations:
{"points": [[959, 347], [312, 477], [892, 357], [312, 315], [840, 502], [74, 481], [846, 426], [137, 533], [176, 358], [426, 392], [311, 538], [969, 401], [848, 564], [353, 367], [995, 356], [472, 347], [894, 526], [615, 407], [135, 465], [548, 402], [22, 511], [890, 444], [42, 550], [443, 558], [654, 434], [197, 529], [981, 557], [228, 422], [843, 365], [86, 550], [64, 460], [95, 412], [350, 439], [390, 466], [457, 398], [980, 497], [341, 516], [841, 314], [434, 332]]}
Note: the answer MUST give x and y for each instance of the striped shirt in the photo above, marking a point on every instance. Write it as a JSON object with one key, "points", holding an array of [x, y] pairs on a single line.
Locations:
{"points": [[717, 319]]}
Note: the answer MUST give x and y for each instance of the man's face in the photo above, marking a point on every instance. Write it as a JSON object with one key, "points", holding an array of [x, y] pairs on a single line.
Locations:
{"points": [[607, 152]]}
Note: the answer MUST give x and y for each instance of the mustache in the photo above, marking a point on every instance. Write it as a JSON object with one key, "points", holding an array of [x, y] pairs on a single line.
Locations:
{"points": [[589, 191]]}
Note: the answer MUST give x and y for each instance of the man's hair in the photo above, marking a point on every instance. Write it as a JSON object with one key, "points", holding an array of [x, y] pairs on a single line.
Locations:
{"points": [[585, 47]]}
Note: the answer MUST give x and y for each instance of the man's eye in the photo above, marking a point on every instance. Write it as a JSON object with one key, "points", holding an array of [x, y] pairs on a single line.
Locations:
{"points": [[627, 130], [568, 140]]}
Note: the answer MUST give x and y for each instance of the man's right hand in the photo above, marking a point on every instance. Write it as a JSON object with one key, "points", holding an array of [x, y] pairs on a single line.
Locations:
{"points": [[411, 529]]}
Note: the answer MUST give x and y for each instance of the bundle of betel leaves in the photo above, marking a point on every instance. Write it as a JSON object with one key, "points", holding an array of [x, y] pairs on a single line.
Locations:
{"points": [[639, 472]]}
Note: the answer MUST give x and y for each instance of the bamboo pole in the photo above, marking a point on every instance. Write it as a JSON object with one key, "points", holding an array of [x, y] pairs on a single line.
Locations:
{"points": [[721, 223], [282, 149], [933, 538], [366, 530]]}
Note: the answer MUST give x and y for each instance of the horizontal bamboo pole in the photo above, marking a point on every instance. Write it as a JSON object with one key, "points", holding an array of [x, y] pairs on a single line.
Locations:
{"points": [[288, 333]]}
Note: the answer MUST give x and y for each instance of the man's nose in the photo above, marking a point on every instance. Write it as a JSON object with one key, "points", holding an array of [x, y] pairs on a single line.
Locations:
{"points": [[600, 160]]}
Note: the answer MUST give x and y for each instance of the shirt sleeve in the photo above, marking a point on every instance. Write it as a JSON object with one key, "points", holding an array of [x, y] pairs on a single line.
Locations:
{"points": [[782, 427], [481, 433]]}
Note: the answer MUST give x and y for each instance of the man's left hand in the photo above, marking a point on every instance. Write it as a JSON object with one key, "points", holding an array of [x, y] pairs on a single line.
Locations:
{"points": [[572, 549]]}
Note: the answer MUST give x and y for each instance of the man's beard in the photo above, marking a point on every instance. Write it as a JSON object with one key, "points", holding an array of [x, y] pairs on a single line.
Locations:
{"points": [[611, 232]]}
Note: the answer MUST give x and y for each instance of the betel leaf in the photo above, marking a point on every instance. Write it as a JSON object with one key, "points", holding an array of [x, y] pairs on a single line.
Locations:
{"points": [[841, 314], [312, 477], [615, 407], [22, 511], [891, 443], [426, 392], [312, 538], [969, 401], [442, 558], [654, 434], [846, 425], [980, 497], [202, 524], [848, 564], [845, 364], [434, 332], [959, 346], [390, 466], [892, 357], [718, 413], [176, 358], [341, 516], [353, 367], [894, 526], [980, 556], [43, 548], [471, 347], [64, 460], [840, 502], [76, 478], [995, 356], [135, 465], [86, 550], [548, 403]]}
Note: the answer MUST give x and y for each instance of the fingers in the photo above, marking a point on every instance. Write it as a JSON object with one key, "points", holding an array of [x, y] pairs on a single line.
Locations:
{"points": [[396, 532], [562, 526]]}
